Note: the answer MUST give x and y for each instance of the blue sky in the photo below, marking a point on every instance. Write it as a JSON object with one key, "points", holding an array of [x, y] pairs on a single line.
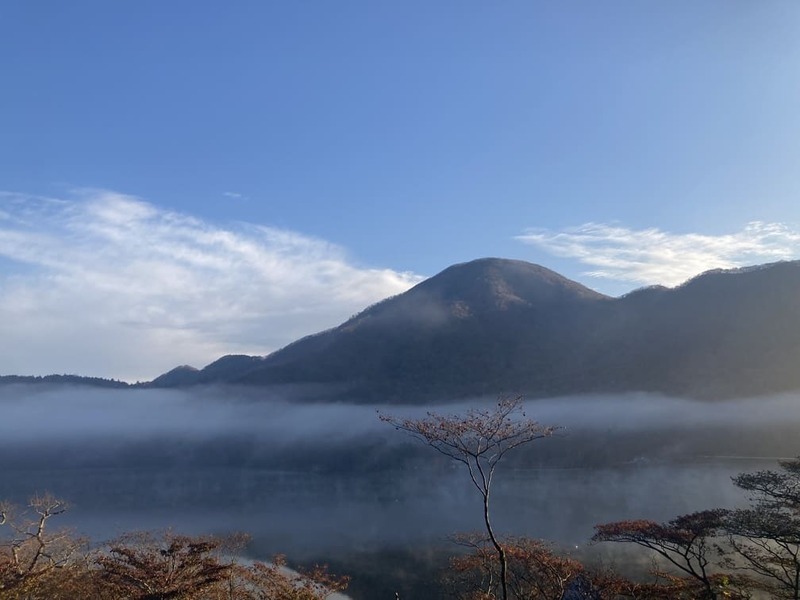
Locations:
{"points": [[181, 180]]}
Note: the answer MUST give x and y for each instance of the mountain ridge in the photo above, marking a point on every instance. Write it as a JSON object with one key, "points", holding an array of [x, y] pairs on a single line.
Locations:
{"points": [[493, 326], [496, 325]]}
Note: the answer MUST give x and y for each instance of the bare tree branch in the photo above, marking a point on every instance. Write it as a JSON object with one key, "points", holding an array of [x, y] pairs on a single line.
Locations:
{"points": [[479, 439]]}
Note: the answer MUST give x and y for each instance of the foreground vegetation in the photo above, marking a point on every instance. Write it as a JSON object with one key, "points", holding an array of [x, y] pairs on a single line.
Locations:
{"points": [[37, 563]]}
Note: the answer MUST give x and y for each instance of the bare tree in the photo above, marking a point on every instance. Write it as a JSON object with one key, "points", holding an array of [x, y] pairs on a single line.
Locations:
{"points": [[167, 566], [144, 566], [31, 552], [686, 542], [767, 535], [479, 439]]}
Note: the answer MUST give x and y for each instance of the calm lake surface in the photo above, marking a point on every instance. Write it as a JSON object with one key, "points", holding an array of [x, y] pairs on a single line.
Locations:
{"points": [[324, 478], [297, 512]]}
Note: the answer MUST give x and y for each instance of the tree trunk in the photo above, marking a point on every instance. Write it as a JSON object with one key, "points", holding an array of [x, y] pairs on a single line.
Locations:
{"points": [[501, 553]]}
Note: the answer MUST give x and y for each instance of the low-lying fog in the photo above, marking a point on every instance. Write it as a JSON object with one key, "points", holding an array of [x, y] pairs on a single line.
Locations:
{"points": [[316, 478]]}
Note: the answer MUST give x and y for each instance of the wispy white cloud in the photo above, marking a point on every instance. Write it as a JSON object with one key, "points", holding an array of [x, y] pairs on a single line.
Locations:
{"points": [[107, 284], [653, 256]]}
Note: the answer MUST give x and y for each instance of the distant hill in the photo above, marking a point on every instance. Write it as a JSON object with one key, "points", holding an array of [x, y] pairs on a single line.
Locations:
{"points": [[62, 380], [494, 325], [226, 368]]}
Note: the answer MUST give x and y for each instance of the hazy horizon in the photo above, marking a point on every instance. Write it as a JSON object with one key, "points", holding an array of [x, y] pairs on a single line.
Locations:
{"points": [[215, 451]]}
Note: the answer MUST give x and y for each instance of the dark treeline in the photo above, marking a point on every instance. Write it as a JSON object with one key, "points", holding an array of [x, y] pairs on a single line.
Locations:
{"points": [[63, 379]]}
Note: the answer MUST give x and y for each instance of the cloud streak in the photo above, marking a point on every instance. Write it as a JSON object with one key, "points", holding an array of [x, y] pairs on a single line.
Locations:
{"points": [[107, 284], [652, 256]]}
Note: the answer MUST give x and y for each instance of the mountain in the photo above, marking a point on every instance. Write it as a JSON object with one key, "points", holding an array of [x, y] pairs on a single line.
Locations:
{"points": [[494, 326], [731, 333], [223, 369]]}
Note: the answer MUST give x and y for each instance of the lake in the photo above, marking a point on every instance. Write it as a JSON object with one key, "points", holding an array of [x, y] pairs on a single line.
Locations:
{"points": [[325, 481]]}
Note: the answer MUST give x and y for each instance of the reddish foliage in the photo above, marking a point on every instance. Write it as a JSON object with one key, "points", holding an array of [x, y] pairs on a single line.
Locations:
{"points": [[686, 542], [534, 570]]}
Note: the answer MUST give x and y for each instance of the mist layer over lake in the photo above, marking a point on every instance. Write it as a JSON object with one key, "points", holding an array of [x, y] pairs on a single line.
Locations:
{"points": [[317, 478]]}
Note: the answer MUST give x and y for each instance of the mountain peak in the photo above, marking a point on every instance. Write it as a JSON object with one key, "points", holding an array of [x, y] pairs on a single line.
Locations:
{"points": [[486, 285], [508, 282]]}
